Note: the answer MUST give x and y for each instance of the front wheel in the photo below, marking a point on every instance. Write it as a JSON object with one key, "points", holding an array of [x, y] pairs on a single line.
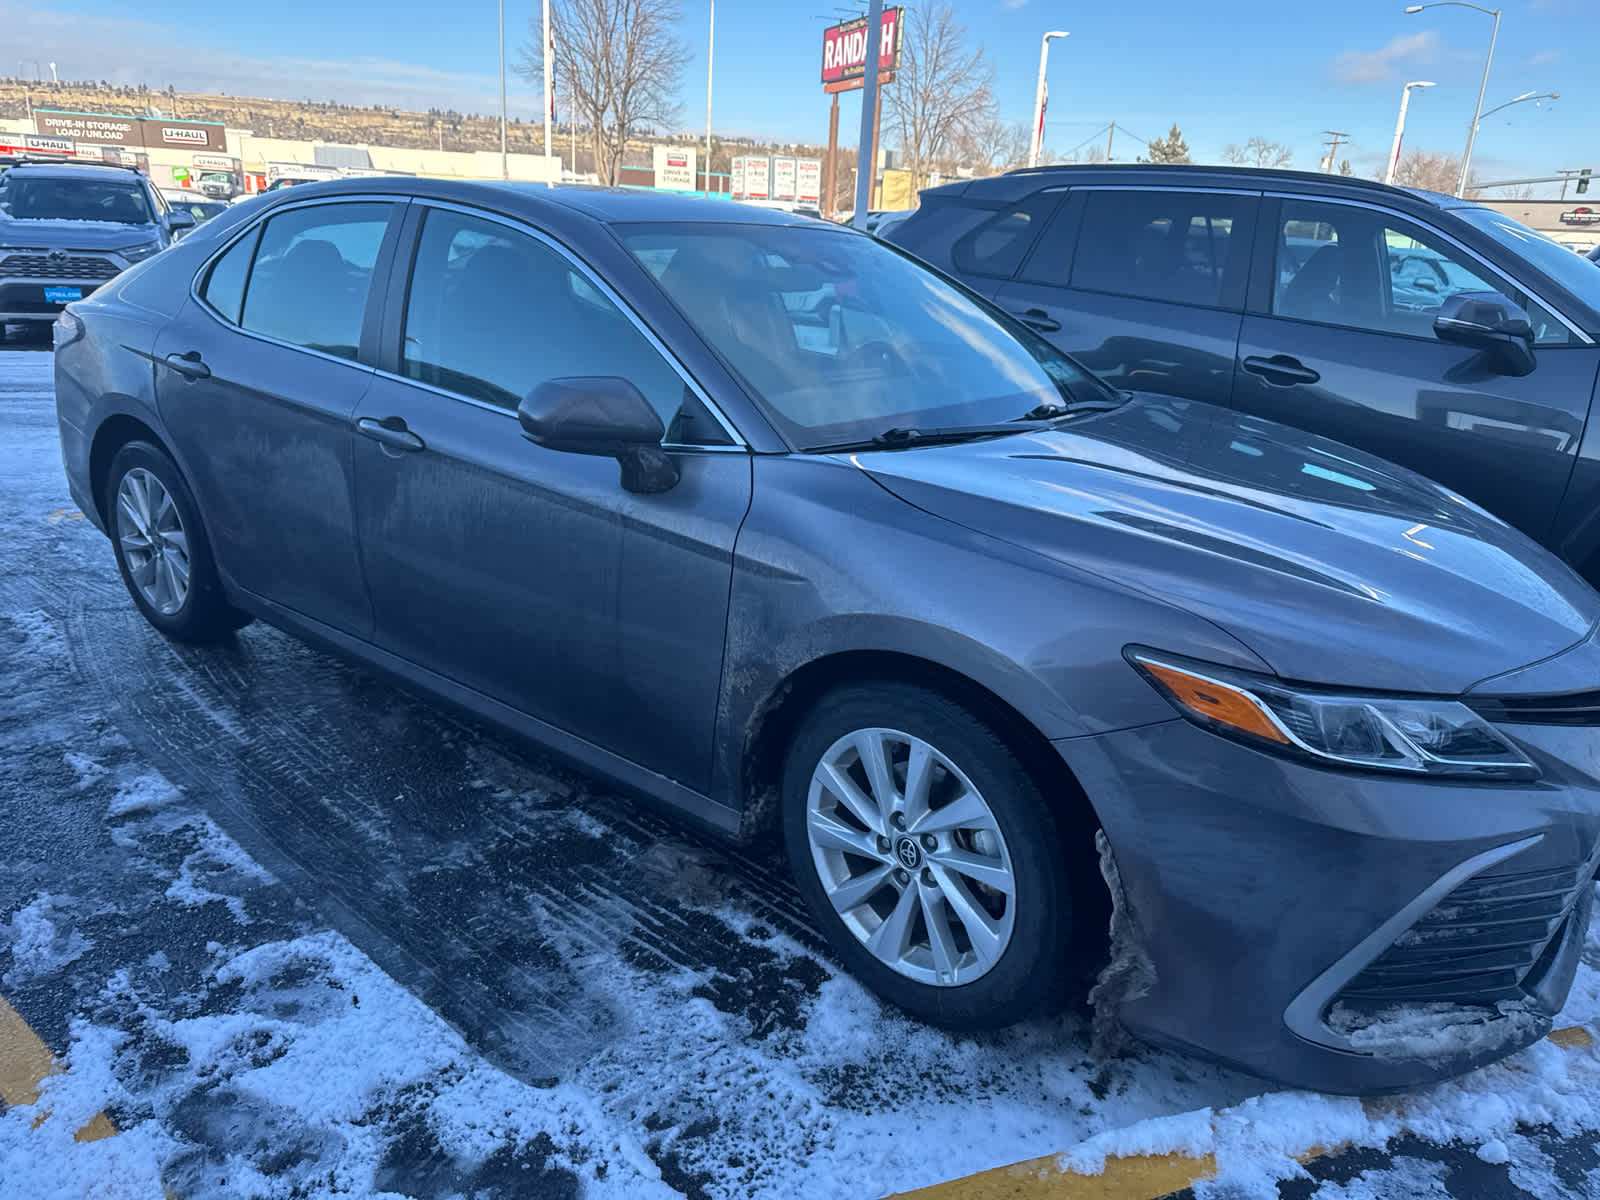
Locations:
{"points": [[928, 856], [161, 547]]}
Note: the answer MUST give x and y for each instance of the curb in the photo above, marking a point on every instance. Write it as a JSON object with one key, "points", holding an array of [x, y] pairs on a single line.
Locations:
{"points": [[1135, 1176], [25, 1063]]}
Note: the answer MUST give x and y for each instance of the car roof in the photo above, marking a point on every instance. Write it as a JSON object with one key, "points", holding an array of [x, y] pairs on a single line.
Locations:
{"points": [[601, 204], [73, 170], [1026, 180]]}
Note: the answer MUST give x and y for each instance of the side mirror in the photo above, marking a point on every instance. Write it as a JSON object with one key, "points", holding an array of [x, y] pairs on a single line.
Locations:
{"points": [[601, 415], [180, 222], [1489, 322]]}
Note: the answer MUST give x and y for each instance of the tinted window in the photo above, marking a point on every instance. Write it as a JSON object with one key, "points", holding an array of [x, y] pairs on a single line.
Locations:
{"points": [[313, 273], [1174, 246], [1343, 265], [224, 287], [493, 313], [997, 246]]}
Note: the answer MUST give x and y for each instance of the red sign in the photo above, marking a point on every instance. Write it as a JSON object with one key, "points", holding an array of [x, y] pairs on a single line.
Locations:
{"points": [[844, 47]]}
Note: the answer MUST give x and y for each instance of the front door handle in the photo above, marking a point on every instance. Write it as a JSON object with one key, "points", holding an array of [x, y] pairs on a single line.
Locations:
{"points": [[1282, 369], [391, 431], [1037, 318], [189, 364]]}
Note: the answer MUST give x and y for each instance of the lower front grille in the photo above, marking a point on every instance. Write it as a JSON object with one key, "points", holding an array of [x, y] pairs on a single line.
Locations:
{"points": [[42, 266], [1479, 945]]}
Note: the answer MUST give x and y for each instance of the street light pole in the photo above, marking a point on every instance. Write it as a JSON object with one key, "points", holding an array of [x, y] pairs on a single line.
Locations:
{"points": [[1037, 140], [505, 172], [1400, 128], [549, 98], [866, 150], [711, 45], [1477, 113]]}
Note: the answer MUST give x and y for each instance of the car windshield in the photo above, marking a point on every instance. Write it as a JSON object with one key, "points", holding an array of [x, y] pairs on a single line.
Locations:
{"points": [[120, 201], [842, 338], [1554, 259]]}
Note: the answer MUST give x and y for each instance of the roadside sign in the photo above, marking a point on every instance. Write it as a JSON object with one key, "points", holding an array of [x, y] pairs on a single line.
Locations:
{"points": [[808, 181], [736, 176], [757, 178], [674, 169], [783, 179], [845, 48]]}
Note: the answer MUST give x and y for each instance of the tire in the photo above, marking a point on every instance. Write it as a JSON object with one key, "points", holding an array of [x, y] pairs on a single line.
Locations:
{"points": [[1002, 958], [170, 575]]}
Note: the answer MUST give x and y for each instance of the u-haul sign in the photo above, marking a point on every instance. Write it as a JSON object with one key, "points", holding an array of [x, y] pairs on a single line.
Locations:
{"points": [[845, 47]]}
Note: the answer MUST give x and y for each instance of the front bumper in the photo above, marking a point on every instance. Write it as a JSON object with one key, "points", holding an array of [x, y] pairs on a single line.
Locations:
{"points": [[1346, 932], [28, 299]]}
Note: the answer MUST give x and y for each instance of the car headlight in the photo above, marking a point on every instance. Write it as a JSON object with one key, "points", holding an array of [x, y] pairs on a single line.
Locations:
{"points": [[1417, 735], [140, 252]]}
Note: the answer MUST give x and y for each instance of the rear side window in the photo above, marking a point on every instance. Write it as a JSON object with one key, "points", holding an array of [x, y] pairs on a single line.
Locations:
{"points": [[1180, 247], [313, 273], [997, 247], [224, 286]]}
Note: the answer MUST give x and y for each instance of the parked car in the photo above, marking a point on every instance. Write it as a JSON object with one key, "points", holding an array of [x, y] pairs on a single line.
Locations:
{"points": [[66, 230], [760, 519], [196, 204], [1432, 331], [1594, 255]]}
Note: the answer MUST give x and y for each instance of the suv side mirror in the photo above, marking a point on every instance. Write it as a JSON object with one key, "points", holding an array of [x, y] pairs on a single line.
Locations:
{"points": [[1489, 322], [179, 222], [601, 415]]}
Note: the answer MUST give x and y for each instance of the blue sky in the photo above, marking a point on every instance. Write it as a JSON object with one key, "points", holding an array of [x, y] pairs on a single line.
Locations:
{"points": [[1223, 71]]}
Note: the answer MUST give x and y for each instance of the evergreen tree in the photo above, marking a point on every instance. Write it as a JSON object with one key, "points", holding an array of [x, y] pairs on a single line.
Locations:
{"points": [[1170, 149]]}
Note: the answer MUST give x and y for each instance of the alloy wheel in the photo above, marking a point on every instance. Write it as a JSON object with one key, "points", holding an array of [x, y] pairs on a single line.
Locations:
{"points": [[154, 543], [911, 857]]}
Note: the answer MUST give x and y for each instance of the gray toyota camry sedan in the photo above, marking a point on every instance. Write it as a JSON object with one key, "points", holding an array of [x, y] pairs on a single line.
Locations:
{"points": [[1272, 749]]}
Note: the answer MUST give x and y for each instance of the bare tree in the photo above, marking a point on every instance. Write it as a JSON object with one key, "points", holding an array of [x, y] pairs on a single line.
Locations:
{"points": [[618, 63], [943, 93], [996, 145], [1258, 152], [1432, 172]]}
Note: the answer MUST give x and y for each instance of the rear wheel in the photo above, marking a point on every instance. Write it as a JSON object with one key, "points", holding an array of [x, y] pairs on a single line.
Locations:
{"points": [[928, 856], [161, 547]]}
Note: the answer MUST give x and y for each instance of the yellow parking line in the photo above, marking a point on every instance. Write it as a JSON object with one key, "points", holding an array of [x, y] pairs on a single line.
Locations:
{"points": [[24, 1062], [1136, 1177]]}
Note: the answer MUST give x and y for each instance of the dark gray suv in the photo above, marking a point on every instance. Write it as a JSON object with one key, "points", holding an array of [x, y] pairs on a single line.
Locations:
{"points": [[1431, 331], [765, 521]]}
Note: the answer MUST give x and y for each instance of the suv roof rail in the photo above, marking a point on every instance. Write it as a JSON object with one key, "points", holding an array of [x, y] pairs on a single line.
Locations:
{"points": [[1208, 168], [43, 161]]}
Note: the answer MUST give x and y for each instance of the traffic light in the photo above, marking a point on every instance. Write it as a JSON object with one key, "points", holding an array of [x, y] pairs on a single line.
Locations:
{"points": [[1583, 181]]}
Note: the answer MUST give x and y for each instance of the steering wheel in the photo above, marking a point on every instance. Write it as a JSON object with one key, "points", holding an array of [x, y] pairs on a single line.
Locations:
{"points": [[877, 355]]}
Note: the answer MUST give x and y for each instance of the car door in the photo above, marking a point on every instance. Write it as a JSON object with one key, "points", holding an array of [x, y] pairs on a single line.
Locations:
{"points": [[1144, 286], [1339, 340], [257, 381], [528, 574]]}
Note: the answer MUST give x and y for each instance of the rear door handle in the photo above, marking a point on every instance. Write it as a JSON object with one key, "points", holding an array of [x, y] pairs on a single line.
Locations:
{"points": [[1281, 368], [1037, 318], [188, 364], [391, 431]]}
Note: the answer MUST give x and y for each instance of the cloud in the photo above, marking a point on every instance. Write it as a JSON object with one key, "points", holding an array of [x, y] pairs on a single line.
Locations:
{"points": [[128, 51], [1378, 66], [1544, 58]]}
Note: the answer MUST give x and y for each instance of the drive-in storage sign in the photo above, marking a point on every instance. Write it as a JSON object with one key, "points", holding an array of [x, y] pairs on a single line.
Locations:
{"points": [[106, 129], [844, 48]]}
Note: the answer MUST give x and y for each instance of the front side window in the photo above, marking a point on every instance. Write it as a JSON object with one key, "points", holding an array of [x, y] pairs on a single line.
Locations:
{"points": [[1356, 267], [839, 337], [120, 201], [1173, 246], [492, 313], [312, 275], [223, 289]]}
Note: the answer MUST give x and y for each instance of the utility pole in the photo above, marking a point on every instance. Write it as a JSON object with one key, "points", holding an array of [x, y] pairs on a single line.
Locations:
{"points": [[1335, 138], [1110, 137], [867, 147]]}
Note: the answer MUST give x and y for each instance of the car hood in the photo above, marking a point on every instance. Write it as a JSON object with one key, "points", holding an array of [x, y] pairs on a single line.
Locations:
{"points": [[1333, 566], [73, 235]]}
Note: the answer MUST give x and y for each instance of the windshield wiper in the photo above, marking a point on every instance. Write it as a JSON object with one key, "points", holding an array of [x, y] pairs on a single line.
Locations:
{"points": [[904, 437], [1054, 409]]}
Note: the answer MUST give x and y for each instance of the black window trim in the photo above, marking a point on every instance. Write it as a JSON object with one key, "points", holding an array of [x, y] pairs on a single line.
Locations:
{"points": [[397, 297], [999, 211], [1473, 257], [380, 268], [1241, 296]]}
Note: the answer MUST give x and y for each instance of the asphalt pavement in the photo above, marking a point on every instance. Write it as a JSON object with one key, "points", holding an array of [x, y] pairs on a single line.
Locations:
{"points": [[288, 930]]}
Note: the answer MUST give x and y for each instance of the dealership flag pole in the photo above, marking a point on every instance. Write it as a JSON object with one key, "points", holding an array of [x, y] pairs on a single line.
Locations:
{"points": [[549, 95], [866, 151]]}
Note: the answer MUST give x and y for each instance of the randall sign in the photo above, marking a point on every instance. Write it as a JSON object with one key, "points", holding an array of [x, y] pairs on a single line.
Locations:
{"points": [[845, 48], [102, 129]]}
